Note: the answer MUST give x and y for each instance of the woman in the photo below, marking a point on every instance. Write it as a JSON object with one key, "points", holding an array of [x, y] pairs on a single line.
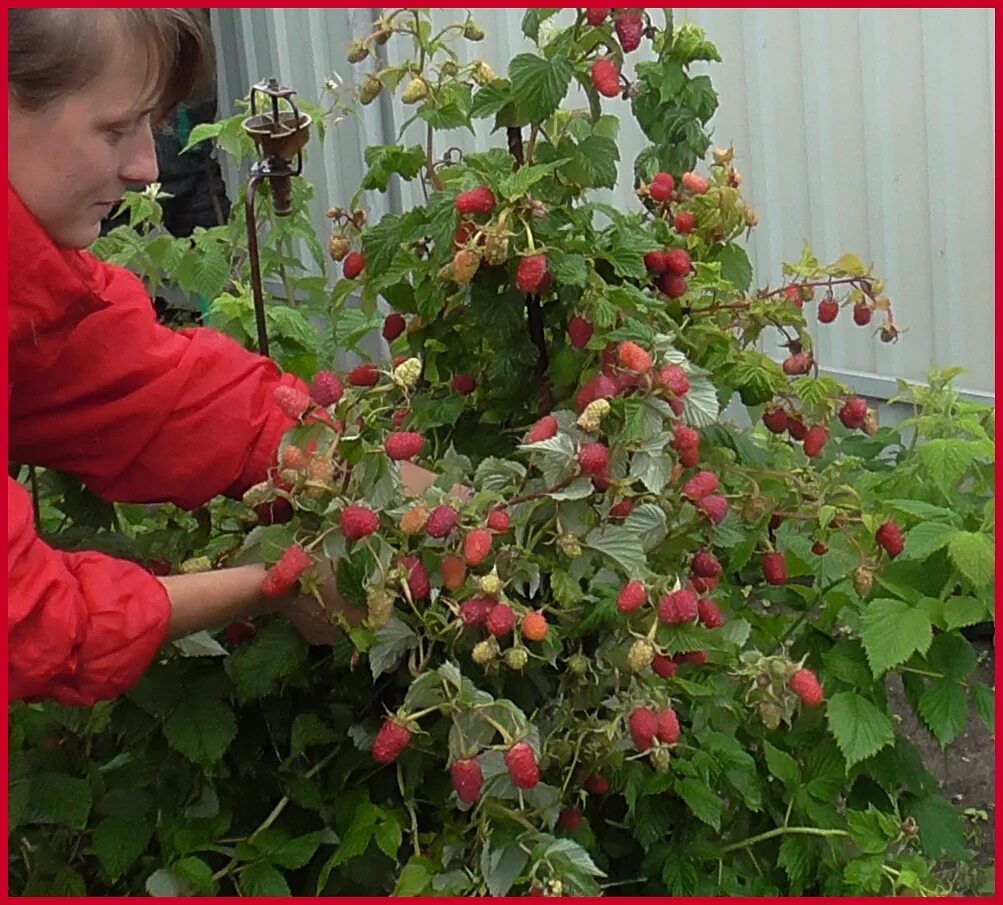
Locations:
{"points": [[95, 386]]}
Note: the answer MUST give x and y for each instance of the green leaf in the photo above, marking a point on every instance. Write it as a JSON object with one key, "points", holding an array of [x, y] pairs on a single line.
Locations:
{"points": [[522, 180], [491, 98], [984, 704], [871, 830], [926, 511], [782, 766], [735, 266], [569, 269], [197, 874], [118, 843], [946, 461], [58, 798], [539, 84], [797, 858], [944, 710], [308, 730], [164, 883], [860, 729], [291, 854], [501, 866], [621, 545], [974, 555], [388, 837], [951, 655], [940, 830], [701, 801], [263, 880], [533, 17], [963, 611], [594, 163], [385, 160], [414, 878], [926, 538], [648, 522], [891, 632], [392, 641], [701, 406], [258, 668], [201, 729]]}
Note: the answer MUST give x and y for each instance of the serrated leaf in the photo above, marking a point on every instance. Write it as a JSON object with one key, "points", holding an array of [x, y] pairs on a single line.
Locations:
{"points": [[891, 632], [944, 710], [490, 99], [501, 866], [619, 544], [796, 857], [960, 612], [522, 180], [197, 874], [736, 267], [263, 880], [578, 489], [926, 538], [782, 766], [385, 160], [392, 642], [926, 511], [309, 730], [574, 853], [569, 269], [702, 801], [974, 556], [498, 474], [984, 704], [118, 843], [388, 837], [201, 644], [947, 461], [648, 521], [58, 798], [275, 653], [701, 406], [539, 84], [952, 655], [201, 729], [940, 830], [651, 469], [860, 729], [163, 883]]}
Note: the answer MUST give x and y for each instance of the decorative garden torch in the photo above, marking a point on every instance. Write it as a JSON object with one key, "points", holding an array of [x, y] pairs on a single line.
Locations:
{"points": [[279, 136]]}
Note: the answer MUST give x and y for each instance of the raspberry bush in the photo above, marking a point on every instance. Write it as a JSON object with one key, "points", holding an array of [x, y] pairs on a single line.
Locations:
{"points": [[646, 651]]}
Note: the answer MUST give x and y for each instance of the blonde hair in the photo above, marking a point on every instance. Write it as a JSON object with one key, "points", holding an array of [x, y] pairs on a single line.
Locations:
{"points": [[53, 52]]}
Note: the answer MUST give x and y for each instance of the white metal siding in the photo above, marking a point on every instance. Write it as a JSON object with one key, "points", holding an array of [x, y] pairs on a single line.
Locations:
{"points": [[864, 130]]}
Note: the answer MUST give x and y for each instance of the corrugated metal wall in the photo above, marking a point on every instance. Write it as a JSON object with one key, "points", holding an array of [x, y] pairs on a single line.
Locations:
{"points": [[858, 130]]}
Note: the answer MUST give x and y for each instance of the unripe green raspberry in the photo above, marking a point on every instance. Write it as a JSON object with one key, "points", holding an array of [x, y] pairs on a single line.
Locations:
{"points": [[357, 52], [578, 664], [555, 887], [291, 476], [483, 73], [640, 655], [406, 374], [660, 758], [449, 68], [379, 606], [415, 91], [568, 545], [484, 651], [496, 248], [863, 580], [561, 750], [781, 669], [769, 714], [591, 419], [516, 658], [370, 89], [195, 564], [490, 584], [472, 31]]}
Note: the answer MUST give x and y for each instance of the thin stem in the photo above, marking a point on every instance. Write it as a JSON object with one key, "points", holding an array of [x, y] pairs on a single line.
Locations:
{"points": [[782, 831]]}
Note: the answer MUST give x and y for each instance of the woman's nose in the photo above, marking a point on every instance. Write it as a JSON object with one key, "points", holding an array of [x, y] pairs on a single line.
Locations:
{"points": [[140, 162]]}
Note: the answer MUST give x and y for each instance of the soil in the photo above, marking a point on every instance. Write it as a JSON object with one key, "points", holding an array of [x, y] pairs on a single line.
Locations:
{"points": [[965, 770]]}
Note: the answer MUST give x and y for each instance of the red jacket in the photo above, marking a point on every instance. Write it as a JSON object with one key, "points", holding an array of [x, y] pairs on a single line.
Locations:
{"points": [[141, 413]]}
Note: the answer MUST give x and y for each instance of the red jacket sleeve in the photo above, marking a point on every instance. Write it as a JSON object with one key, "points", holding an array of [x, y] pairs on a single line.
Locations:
{"points": [[81, 627], [140, 412]]}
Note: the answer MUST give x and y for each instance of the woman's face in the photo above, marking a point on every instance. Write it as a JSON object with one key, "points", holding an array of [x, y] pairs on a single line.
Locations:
{"points": [[71, 161]]}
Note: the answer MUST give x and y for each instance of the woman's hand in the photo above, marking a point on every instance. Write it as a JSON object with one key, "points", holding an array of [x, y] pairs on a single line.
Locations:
{"points": [[318, 620]]}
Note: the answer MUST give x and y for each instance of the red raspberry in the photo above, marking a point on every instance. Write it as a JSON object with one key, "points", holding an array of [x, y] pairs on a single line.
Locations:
{"points": [[697, 657], [632, 357], [293, 457], [798, 363], [793, 295], [579, 331], [668, 726], [814, 440], [819, 549], [775, 568], [569, 819], [398, 418], [522, 767], [463, 234], [805, 685], [283, 576], [632, 597], [684, 438], [605, 78], [663, 667], [277, 512], [853, 413], [698, 185], [662, 187], [684, 222], [476, 546], [629, 28], [499, 520], [593, 459], [530, 273], [674, 379], [353, 265], [463, 384], [544, 429], [596, 15], [608, 360], [158, 567], [358, 522], [796, 426], [700, 485], [775, 420], [454, 572], [417, 577], [678, 607], [655, 261], [500, 620], [673, 286], [596, 785], [714, 506], [467, 780], [643, 723], [828, 308], [365, 375], [600, 482], [291, 401], [862, 314], [599, 387], [709, 613], [689, 458], [678, 261], [889, 537], [705, 565], [474, 612], [442, 520], [701, 585], [326, 389], [480, 200], [393, 326], [621, 509], [403, 445], [237, 633], [390, 741], [534, 626]]}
